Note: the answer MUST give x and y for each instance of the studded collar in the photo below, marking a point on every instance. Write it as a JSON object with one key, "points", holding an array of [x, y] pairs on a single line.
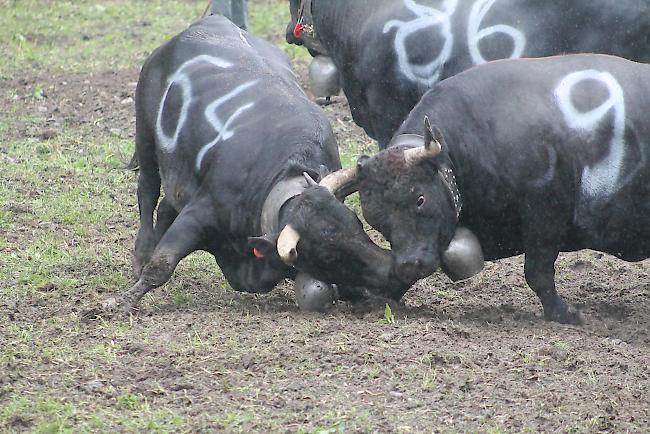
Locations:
{"points": [[448, 178]]}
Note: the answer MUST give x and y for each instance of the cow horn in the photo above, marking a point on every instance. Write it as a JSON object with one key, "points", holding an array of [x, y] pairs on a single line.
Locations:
{"points": [[414, 155], [286, 245], [309, 179], [431, 148], [336, 181]]}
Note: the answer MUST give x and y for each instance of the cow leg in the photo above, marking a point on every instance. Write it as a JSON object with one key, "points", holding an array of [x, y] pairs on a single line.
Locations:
{"points": [[544, 228], [165, 216], [148, 194], [185, 235], [539, 268], [148, 238], [540, 276]]}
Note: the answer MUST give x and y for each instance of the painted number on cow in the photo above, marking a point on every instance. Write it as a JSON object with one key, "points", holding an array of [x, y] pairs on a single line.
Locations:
{"points": [[426, 17], [223, 128], [600, 179], [474, 35]]}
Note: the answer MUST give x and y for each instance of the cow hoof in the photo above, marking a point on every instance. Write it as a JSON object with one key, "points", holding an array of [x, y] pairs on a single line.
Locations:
{"points": [[564, 314]]}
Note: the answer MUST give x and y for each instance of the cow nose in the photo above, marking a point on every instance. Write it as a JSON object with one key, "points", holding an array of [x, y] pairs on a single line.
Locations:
{"points": [[411, 268]]}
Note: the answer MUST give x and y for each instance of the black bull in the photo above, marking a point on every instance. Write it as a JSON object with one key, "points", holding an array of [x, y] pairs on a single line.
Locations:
{"points": [[549, 155], [223, 125], [390, 52]]}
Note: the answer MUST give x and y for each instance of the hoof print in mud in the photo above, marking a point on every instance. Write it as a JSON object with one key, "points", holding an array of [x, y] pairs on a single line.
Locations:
{"points": [[115, 306], [109, 308]]}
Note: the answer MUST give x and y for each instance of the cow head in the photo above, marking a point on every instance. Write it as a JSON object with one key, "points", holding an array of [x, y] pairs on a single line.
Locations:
{"points": [[320, 236], [301, 30], [408, 193]]}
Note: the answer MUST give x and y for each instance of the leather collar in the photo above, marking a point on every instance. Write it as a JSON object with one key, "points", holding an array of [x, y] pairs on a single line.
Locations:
{"points": [[278, 196]]}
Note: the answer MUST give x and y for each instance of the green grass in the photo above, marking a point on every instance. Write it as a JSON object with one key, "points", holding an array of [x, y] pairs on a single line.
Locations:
{"points": [[49, 414], [84, 35]]}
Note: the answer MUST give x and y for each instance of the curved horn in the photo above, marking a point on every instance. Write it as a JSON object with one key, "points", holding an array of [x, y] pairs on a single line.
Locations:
{"points": [[339, 179], [286, 245], [415, 155], [309, 179], [430, 147]]}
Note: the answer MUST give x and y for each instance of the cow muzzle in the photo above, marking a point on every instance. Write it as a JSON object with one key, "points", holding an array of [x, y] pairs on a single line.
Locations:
{"points": [[412, 267]]}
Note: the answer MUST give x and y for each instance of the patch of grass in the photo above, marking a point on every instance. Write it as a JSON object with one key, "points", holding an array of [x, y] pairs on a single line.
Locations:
{"points": [[352, 420], [563, 346], [181, 299], [48, 414], [87, 36], [388, 318], [236, 421], [129, 401], [84, 35]]}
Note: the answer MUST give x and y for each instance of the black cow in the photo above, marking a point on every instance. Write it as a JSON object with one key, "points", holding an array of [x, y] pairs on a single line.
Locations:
{"points": [[223, 125], [535, 156], [390, 52]]}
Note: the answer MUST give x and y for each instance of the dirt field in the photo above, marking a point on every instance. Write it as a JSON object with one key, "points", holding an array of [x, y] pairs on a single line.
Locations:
{"points": [[474, 356]]}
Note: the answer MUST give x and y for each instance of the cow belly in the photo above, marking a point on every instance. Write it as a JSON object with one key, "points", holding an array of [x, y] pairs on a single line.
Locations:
{"points": [[499, 238], [615, 228]]}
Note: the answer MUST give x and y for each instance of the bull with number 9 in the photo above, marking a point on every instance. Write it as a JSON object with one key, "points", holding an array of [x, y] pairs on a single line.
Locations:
{"points": [[532, 156]]}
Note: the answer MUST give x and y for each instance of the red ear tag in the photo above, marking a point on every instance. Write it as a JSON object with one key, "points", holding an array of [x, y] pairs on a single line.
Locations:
{"points": [[297, 31], [257, 253]]}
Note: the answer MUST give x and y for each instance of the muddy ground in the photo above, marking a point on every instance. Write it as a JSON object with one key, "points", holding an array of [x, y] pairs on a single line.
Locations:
{"points": [[471, 356]]}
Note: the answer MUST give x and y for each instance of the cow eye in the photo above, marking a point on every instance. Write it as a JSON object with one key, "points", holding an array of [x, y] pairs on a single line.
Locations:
{"points": [[420, 201]]}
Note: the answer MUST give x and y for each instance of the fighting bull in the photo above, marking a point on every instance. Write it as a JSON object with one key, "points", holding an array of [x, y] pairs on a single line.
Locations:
{"points": [[533, 156], [390, 52], [224, 127]]}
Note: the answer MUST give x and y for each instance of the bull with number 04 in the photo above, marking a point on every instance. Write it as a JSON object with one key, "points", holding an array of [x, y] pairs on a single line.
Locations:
{"points": [[223, 126]]}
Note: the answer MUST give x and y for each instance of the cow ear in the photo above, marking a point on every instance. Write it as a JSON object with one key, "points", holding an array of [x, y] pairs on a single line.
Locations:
{"points": [[432, 135], [438, 137], [361, 161], [264, 246]]}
